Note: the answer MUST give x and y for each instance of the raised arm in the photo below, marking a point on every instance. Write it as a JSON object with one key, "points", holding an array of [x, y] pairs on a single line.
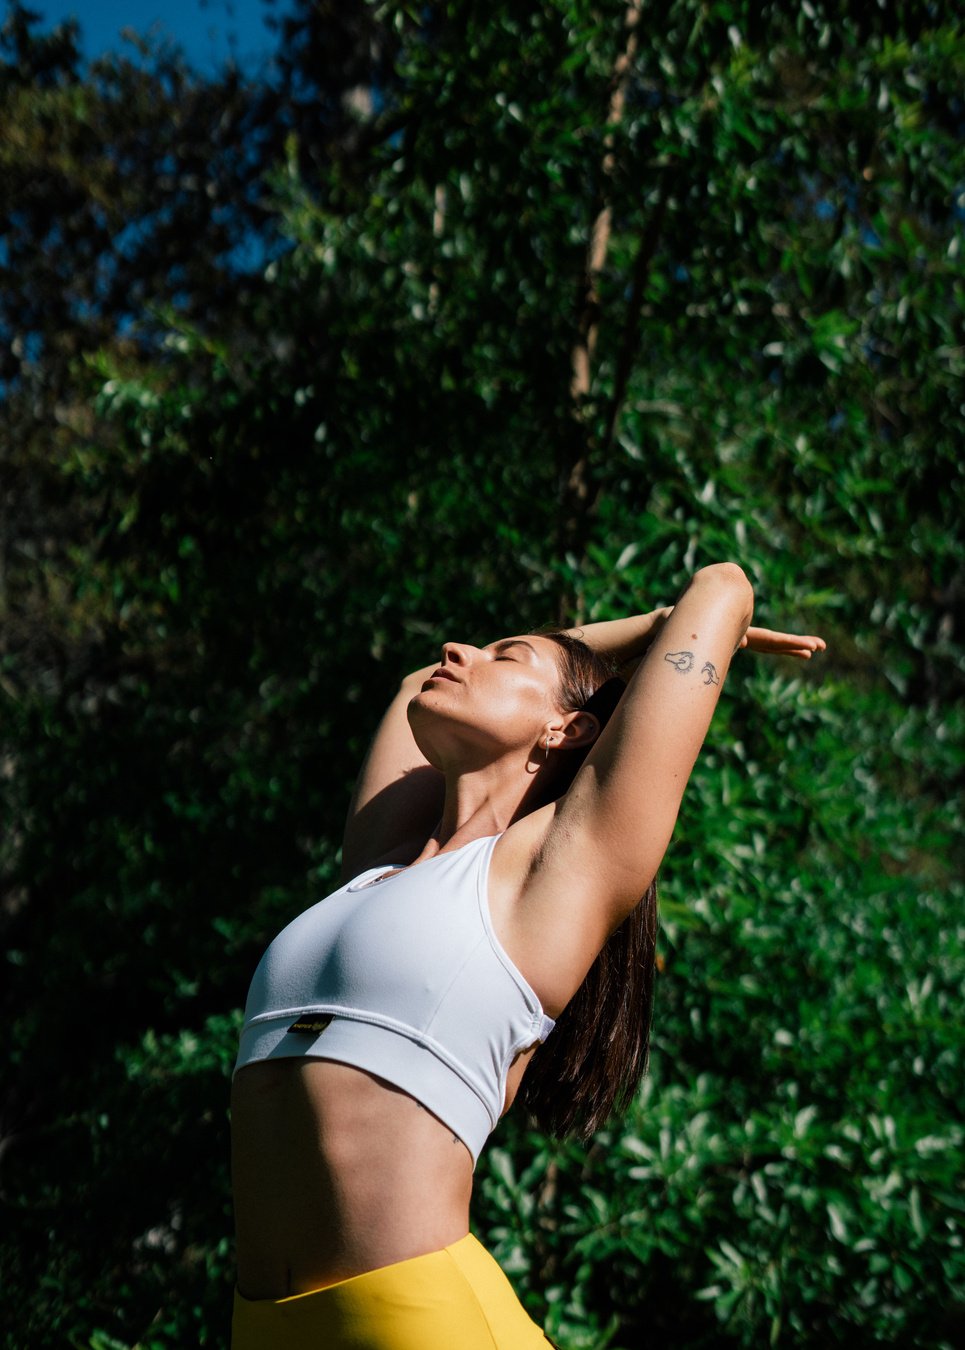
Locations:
{"points": [[611, 830], [398, 797]]}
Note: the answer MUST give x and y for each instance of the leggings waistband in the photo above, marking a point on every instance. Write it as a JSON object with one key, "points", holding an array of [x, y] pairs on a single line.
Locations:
{"points": [[454, 1297]]}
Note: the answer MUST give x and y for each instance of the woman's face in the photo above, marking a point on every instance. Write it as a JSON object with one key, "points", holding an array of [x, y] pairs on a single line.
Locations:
{"points": [[493, 699]]}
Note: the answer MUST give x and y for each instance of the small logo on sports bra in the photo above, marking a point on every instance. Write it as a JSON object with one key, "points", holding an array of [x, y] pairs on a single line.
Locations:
{"points": [[311, 1023]]}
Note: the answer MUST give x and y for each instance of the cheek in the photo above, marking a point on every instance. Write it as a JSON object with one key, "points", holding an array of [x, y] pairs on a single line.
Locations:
{"points": [[525, 702]]}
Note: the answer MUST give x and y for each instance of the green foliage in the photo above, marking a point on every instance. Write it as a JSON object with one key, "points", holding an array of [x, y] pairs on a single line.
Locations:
{"points": [[238, 504], [791, 1171]]}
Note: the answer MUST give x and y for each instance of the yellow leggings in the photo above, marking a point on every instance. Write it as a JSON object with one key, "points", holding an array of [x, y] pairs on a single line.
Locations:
{"points": [[454, 1299]]}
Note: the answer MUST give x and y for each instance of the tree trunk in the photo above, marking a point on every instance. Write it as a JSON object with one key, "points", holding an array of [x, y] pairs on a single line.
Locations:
{"points": [[577, 484]]}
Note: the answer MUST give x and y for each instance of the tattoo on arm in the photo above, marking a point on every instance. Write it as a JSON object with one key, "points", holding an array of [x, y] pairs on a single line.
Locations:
{"points": [[681, 661]]}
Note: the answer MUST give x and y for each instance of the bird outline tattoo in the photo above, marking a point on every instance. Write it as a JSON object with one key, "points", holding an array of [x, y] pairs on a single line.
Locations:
{"points": [[710, 671], [681, 661]]}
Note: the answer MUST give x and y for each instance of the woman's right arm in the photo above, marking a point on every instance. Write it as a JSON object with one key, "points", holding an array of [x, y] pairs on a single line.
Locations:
{"points": [[625, 641], [398, 798]]}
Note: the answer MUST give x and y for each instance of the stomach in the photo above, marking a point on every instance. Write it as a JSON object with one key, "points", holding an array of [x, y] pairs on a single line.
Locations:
{"points": [[336, 1172]]}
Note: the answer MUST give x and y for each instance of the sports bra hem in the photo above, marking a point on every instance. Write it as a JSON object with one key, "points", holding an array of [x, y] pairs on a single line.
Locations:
{"points": [[340, 1012]]}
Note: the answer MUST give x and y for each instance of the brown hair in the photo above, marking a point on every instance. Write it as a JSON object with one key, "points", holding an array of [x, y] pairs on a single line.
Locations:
{"points": [[597, 1055]]}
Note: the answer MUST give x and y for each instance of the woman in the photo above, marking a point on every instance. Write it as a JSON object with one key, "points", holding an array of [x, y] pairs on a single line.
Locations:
{"points": [[388, 1027]]}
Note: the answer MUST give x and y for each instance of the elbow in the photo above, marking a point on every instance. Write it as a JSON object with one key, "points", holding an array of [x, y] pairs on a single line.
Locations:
{"points": [[732, 579], [728, 573]]}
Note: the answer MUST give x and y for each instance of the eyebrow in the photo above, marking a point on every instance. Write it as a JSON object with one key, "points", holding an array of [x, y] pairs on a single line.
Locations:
{"points": [[515, 642]]}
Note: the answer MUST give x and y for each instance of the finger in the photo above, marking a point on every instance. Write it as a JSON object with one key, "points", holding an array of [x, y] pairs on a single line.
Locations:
{"points": [[766, 639]]}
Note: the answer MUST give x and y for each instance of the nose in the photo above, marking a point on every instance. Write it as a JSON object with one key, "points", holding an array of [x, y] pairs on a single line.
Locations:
{"points": [[456, 653]]}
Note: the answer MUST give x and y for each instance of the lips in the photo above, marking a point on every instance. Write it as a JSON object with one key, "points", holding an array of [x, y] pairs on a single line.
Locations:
{"points": [[443, 674]]}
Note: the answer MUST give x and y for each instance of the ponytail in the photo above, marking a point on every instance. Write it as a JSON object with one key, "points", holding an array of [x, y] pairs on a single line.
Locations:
{"points": [[595, 1058]]}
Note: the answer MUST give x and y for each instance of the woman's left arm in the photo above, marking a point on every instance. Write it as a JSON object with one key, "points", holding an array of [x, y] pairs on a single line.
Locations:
{"points": [[610, 831]]}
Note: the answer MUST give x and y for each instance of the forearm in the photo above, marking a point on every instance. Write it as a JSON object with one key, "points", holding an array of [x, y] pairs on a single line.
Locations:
{"points": [[626, 641], [623, 641], [413, 682]]}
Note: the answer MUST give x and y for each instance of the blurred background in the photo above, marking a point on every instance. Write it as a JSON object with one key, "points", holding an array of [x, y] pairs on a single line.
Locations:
{"points": [[331, 330]]}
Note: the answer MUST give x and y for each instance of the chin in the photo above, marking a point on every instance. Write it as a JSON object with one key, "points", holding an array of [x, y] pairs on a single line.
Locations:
{"points": [[424, 713], [421, 703]]}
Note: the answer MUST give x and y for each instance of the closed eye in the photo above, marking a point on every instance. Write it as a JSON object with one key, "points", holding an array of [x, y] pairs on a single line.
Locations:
{"points": [[513, 644]]}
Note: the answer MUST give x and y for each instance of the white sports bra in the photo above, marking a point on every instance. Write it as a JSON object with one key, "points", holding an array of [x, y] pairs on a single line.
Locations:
{"points": [[401, 974]]}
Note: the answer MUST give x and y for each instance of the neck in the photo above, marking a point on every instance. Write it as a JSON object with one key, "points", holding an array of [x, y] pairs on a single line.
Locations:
{"points": [[483, 801]]}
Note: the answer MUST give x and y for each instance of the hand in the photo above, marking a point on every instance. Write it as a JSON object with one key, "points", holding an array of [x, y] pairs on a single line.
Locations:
{"points": [[781, 644]]}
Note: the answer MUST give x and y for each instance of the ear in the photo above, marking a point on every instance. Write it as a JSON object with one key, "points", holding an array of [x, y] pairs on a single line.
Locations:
{"points": [[578, 730]]}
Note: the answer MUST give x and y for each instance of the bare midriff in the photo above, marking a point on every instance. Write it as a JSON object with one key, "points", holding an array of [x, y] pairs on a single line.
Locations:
{"points": [[336, 1173]]}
